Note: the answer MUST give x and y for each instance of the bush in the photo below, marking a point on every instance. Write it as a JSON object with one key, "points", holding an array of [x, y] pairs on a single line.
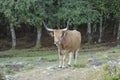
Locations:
{"points": [[80, 64], [105, 67], [111, 76]]}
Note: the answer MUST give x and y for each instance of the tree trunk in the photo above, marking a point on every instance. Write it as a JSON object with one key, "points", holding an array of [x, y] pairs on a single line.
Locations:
{"points": [[39, 33], [13, 36], [115, 30], [89, 32], [100, 29], [118, 33]]}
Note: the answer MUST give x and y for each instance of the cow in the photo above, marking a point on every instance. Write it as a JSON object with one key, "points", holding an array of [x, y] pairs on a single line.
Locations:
{"points": [[68, 43]]}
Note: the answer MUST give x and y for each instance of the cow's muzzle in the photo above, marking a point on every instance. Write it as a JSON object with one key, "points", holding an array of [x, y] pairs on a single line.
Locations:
{"points": [[57, 43]]}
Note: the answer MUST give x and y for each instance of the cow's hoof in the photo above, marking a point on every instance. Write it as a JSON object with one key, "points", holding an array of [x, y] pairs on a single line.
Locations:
{"points": [[59, 66], [63, 67], [68, 65]]}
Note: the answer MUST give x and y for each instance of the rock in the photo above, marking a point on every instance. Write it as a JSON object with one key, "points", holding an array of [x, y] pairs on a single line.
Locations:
{"points": [[9, 77], [16, 65], [113, 67], [51, 68]]}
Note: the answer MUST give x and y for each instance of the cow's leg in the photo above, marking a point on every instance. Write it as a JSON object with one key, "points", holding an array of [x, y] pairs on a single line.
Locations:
{"points": [[76, 56], [60, 60], [64, 59], [70, 58]]}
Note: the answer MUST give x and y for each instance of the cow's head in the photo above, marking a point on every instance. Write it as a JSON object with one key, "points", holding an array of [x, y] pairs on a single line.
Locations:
{"points": [[58, 34]]}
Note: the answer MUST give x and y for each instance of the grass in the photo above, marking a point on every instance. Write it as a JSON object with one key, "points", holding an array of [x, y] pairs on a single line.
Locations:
{"points": [[30, 56], [25, 55]]}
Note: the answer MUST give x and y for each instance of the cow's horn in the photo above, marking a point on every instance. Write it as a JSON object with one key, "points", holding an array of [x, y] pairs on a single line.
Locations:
{"points": [[64, 29], [49, 29], [67, 25]]}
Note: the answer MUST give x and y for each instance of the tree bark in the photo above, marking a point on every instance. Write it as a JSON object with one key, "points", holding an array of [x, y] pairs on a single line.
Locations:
{"points": [[39, 33], [100, 29], [89, 32], [115, 30], [118, 33], [13, 36]]}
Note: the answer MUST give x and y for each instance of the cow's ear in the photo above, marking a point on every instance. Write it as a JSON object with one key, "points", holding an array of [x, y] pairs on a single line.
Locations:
{"points": [[51, 33]]}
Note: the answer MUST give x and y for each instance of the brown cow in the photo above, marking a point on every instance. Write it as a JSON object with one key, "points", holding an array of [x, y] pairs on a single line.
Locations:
{"points": [[67, 42]]}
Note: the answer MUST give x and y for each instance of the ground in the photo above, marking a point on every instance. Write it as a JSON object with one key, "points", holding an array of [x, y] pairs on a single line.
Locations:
{"points": [[31, 64], [64, 74]]}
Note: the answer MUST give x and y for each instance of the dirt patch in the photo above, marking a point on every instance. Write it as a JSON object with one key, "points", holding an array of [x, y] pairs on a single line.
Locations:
{"points": [[61, 74]]}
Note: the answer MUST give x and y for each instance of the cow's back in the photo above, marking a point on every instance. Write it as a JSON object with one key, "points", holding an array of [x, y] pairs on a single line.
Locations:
{"points": [[71, 40]]}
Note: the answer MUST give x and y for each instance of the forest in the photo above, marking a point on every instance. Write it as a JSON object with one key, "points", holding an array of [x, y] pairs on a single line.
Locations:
{"points": [[21, 21], [27, 51]]}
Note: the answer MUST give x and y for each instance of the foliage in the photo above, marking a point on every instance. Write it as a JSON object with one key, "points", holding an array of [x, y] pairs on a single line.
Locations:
{"points": [[8, 8], [114, 9], [57, 12], [78, 11]]}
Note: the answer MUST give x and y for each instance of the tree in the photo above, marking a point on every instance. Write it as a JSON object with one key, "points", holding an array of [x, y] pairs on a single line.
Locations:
{"points": [[34, 14], [100, 7], [79, 12], [116, 11], [7, 7]]}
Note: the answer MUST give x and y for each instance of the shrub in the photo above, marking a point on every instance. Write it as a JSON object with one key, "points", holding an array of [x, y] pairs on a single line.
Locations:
{"points": [[105, 66], [80, 64], [109, 76]]}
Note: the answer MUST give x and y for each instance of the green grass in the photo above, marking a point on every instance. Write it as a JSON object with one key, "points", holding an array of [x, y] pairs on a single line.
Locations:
{"points": [[31, 55], [25, 55]]}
